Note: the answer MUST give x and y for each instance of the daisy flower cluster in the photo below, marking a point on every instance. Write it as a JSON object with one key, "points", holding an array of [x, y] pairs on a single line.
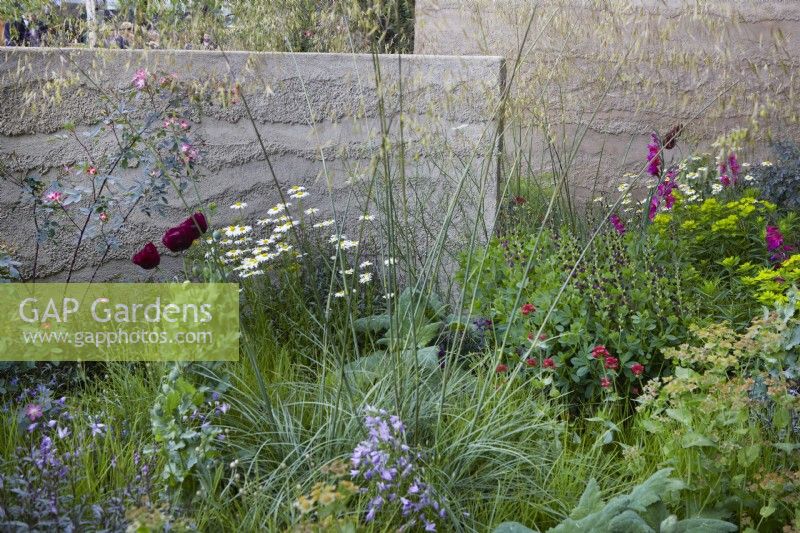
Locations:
{"points": [[247, 247]]}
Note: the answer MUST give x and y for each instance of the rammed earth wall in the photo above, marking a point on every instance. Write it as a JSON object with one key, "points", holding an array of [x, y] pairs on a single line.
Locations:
{"points": [[320, 117], [625, 68]]}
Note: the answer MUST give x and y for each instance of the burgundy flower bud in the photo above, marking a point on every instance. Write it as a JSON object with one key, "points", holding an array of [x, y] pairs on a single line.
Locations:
{"points": [[179, 238], [148, 257], [672, 136]]}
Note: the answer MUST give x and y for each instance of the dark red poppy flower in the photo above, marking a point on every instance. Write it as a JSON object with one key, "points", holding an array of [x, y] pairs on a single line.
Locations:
{"points": [[196, 222], [179, 238], [148, 257]]}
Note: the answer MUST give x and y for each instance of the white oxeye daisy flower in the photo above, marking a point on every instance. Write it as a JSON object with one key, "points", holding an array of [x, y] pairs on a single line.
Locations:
{"points": [[237, 230], [243, 240], [226, 242], [388, 296], [766, 163], [347, 272], [262, 258], [298, 195], [250, 273], [324, 224], [340, 294], [390, 261], [749, 177], [366, 277], [283, 247], [692, 176], [598, 199], [346, 245], [248, 263], [295, 188], [264, 221], [283, 228], [239, 205], [311, 211], [280, 208], [365, 264], [716, 188], [336, 238], [366, 218], [234, 253]]}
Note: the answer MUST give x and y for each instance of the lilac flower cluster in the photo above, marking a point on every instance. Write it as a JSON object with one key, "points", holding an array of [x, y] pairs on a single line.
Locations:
{"points": [[38, 490], [386, 466]]}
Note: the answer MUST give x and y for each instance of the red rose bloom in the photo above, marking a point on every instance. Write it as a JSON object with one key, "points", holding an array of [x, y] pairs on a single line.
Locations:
{"points": [[548, 363], [600, 351], [148, 257], [605, 382], [527, 309], [501, 368], [611, 362], [637, 369], [530, 361]]}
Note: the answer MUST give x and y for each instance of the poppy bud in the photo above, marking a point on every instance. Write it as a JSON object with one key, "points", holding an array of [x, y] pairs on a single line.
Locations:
{"points": [[672, 137], [148, 257]]}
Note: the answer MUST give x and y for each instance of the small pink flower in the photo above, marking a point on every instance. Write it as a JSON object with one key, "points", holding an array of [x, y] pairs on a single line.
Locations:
{"points": [[531, 362], [527, 309], [189, 151], [548, 363], [54, 197], [605, 382], [184, 124], [140, 79], [611, 362], [92, 170], [103, 217], [637, 369]]}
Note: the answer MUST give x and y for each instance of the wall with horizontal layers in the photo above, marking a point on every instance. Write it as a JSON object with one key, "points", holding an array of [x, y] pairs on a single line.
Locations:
{"points": [[621, 69], [320, 118]]}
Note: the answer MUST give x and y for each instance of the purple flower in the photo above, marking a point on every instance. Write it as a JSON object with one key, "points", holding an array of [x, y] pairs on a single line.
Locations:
{"points": [[774, 239], [97, 428], [33, 411], [733, 164], [617, 223], [654, 156], [62, 433]]}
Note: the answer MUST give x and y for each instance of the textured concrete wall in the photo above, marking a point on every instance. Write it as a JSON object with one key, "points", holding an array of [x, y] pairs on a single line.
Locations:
{"points": [[320, 119], [641, 65]]}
